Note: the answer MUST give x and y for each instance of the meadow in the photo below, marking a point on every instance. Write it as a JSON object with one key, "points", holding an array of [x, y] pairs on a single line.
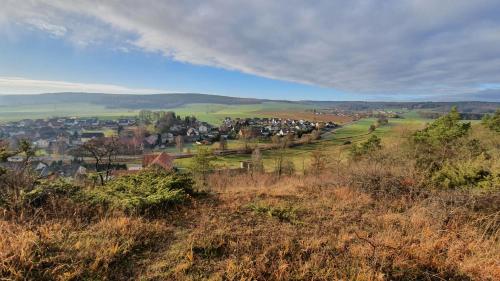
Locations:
{"points": [[211, 113], [15, 113]]}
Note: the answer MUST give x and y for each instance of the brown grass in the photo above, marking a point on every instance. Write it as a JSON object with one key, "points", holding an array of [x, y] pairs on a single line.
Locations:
{"points": [[337, 233]]}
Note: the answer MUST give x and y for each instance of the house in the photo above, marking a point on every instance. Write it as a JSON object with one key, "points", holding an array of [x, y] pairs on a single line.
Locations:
{"points": [[124, 122], [203, 129], [42, 169], [192, 132], [85, 137], [41, 143], [167, 138], [176, 128], [162, 160], [151, 141], [251, 132]]}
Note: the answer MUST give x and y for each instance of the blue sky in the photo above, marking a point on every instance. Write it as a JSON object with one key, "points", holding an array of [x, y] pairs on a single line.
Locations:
{"points": [[323, 50], [34, 55]]}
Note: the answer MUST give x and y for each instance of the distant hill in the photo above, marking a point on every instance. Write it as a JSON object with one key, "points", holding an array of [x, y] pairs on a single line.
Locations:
{"points": [[124, 101], [462, 106], [174, 100]]}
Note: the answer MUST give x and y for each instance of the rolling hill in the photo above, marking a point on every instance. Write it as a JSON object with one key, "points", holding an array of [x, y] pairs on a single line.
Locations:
{"points": [[124, 101]]}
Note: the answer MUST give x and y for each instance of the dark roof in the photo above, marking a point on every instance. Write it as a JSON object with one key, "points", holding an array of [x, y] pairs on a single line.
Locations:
{"points": [[92, 135]]}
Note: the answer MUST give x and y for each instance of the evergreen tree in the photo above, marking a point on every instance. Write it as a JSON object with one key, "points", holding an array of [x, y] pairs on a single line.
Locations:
{"points": [[202, 164]]}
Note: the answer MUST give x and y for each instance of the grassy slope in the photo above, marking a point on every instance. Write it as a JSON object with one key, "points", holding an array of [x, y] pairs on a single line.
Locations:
{"points": [[257, 228]]}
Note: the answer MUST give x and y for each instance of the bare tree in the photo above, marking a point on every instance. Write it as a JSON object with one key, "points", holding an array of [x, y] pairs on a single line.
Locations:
{"points": [[316, 135], [283, 165], [246, 135], [290, 139], [257, 163], [20, 176], [276, 140], [104, 152], [222, 143], [318, 161], [179, 143]]}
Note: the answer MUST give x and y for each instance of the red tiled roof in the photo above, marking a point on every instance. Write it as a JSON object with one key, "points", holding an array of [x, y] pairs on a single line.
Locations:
{"points": [[163, 160]]}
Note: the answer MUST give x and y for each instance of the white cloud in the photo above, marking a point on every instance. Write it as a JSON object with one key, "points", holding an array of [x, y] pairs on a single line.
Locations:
{"points": [[366, 46], [19, 85], [55, 30]]}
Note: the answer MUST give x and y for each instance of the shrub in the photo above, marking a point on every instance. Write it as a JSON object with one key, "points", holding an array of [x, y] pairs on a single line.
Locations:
{"points": [[319, 161], [149, 190], [382, 121], [288, 168], [370, 145], [445, 131], [450, 158], [438, 141], [282, 213], [39, 195], [492, 122], [471, 173], [202, 164]]}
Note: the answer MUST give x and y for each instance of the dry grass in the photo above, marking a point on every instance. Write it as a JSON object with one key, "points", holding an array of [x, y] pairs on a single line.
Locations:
{"points": [[337, 233]]}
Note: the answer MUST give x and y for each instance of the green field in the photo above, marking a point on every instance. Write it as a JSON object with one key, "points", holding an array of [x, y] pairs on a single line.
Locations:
{"points": [[332, 145], [13, 113], [211, 113]]}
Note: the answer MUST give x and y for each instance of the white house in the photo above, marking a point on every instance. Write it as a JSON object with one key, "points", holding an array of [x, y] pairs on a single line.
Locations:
{"points": [[203, 129], [41, 143]]}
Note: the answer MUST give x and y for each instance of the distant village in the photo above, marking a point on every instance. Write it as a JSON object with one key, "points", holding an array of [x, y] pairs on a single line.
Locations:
{"points": [[57, 135], [55, 139]]}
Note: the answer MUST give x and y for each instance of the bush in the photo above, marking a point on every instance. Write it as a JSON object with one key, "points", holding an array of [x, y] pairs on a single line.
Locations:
{"points": [[282, 213], [471, 173], [149, 190], [38, 196], [445, 131], [370, 145], [438, 141], [451, 158], [492, 122]]}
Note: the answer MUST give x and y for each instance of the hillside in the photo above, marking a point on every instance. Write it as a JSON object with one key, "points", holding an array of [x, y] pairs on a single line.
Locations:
{"points": [[173, 100], [462, 106], [124, 101]]}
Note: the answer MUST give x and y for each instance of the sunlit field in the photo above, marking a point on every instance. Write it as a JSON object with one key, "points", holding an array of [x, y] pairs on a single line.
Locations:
{"points": [[211, 113]]}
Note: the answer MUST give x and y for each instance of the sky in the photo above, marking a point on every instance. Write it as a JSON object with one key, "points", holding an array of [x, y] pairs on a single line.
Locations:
{"points": [[281, 49]]}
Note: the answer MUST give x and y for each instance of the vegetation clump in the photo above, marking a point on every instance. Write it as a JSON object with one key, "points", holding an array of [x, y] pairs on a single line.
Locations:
{"points": [[202, 165], [370, 145], [492, 122], [46, 190], [286, 213], [445, 151], [148, 191]]}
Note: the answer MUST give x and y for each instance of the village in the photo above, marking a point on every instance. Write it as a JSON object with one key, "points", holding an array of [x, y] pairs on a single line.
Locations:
{"points": [[151, 137]]}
